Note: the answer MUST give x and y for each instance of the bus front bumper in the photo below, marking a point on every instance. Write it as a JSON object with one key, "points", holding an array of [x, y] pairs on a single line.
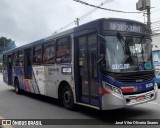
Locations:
{"points": [[111, 101]]}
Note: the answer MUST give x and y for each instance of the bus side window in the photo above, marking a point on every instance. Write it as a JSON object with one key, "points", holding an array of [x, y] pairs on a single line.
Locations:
{"points": [[63, 50], [5, 61], [49, 52], [37, 54], [15, 59], [20, 58]]}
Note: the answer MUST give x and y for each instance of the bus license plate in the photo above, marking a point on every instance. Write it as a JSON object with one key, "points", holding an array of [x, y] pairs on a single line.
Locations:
{"points": [[139, 98]]}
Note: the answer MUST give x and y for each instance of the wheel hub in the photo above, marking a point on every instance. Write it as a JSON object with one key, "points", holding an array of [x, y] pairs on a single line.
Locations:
{"points": [[67, 96]]}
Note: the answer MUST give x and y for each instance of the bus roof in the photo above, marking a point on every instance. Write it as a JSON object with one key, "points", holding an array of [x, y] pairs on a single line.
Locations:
{"points": [[78, 28]]}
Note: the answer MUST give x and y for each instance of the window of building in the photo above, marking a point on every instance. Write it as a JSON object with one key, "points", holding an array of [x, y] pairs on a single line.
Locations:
{"points": [[63, 50]]}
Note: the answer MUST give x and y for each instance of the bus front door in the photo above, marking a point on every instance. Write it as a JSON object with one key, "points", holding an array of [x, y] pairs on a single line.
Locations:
{"points": [[87, 78]]}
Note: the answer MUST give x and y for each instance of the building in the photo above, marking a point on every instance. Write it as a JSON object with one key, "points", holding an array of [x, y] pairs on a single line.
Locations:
{"points": [[156, 50], [156, 41]]}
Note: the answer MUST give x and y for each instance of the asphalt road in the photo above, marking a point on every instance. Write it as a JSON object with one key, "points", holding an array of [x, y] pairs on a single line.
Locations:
{"points": [[30, 106]]}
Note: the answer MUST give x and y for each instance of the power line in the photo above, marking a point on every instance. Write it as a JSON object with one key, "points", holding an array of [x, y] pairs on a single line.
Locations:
{"points": [[156, 18], [85, 3], [151, 13], [155, 11], [156, 27], [66, 26], [83, 16], [155, 22], [92, 11], [156, 30]]}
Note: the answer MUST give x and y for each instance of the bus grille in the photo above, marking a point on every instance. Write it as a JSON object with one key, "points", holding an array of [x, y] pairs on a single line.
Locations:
{"points": [[128, 79]]}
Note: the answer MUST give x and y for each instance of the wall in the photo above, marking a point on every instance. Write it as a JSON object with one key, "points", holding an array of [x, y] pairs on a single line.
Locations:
{"points": [[156, 41]]}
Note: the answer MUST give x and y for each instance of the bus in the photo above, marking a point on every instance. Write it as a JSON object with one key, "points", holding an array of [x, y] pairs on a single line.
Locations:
{"points": [[104, 64]]}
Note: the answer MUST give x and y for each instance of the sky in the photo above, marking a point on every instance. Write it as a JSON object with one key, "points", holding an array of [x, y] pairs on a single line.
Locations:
{"points": [[25, 21]]}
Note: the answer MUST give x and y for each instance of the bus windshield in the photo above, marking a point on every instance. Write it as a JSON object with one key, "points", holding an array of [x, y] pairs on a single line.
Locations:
{"points": [[127, 54]]}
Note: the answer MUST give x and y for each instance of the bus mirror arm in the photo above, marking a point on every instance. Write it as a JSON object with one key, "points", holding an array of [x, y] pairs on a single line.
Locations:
{"points": [[101, 37], [102, 57], [123, 43], [103, 46]]}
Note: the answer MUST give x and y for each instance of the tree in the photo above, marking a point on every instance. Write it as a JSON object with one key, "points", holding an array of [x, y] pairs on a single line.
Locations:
{"points": [[6, 44], [1, 59]]}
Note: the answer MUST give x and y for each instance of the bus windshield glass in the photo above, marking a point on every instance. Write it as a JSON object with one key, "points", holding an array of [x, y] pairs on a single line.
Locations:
{"points": [[127, 54]]}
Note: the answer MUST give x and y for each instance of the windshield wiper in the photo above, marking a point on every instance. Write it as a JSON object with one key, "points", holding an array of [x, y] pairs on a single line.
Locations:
{"points": [[121, 39], [123, 43]]}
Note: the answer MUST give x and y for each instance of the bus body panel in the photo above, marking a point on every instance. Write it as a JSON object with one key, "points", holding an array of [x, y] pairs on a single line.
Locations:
{"points": [[48, 78], [45, 79], [144, 92], [5, 75], [18, 73], [32, 85], [139, 87], [115, 102], [38, 72]]}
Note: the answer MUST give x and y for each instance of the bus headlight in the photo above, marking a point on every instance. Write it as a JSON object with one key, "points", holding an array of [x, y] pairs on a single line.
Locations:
{"points": [[117, 90], [113, 90], [155, 87], [108, 87]]}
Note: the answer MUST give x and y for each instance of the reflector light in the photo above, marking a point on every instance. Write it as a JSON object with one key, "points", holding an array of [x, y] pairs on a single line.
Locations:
{"points": [[128, 89]]}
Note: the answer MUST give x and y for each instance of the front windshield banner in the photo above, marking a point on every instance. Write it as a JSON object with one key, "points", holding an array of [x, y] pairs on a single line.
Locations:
{"points": [[128, 54]]}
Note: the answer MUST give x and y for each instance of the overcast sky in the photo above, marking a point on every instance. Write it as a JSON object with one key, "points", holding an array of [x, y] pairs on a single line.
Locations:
{"points": [[29, 20]]}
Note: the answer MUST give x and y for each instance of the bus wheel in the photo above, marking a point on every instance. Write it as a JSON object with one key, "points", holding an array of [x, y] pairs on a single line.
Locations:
{"points": [[16, 86], [67, 98]]}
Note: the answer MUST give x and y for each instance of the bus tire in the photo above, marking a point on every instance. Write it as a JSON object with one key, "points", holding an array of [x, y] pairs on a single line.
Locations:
{"points": [[67, 98], [16, 86]]}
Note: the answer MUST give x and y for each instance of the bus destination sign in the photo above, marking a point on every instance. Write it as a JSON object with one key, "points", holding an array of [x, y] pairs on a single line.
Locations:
{"points": [[124, 27]]}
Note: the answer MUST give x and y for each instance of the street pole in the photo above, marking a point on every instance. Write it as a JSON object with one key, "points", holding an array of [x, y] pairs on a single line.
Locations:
{"points": [[4, 45], [143, 5], [149, 18], [77, 21]]}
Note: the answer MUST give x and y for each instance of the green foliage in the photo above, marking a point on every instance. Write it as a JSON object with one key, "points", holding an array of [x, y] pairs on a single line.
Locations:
{"points": [[1, 67], [1, 58], [6, 44]]}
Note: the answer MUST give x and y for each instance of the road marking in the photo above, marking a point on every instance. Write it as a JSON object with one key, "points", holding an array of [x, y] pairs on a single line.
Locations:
{"points": [[5, 126], [154, 103]]}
